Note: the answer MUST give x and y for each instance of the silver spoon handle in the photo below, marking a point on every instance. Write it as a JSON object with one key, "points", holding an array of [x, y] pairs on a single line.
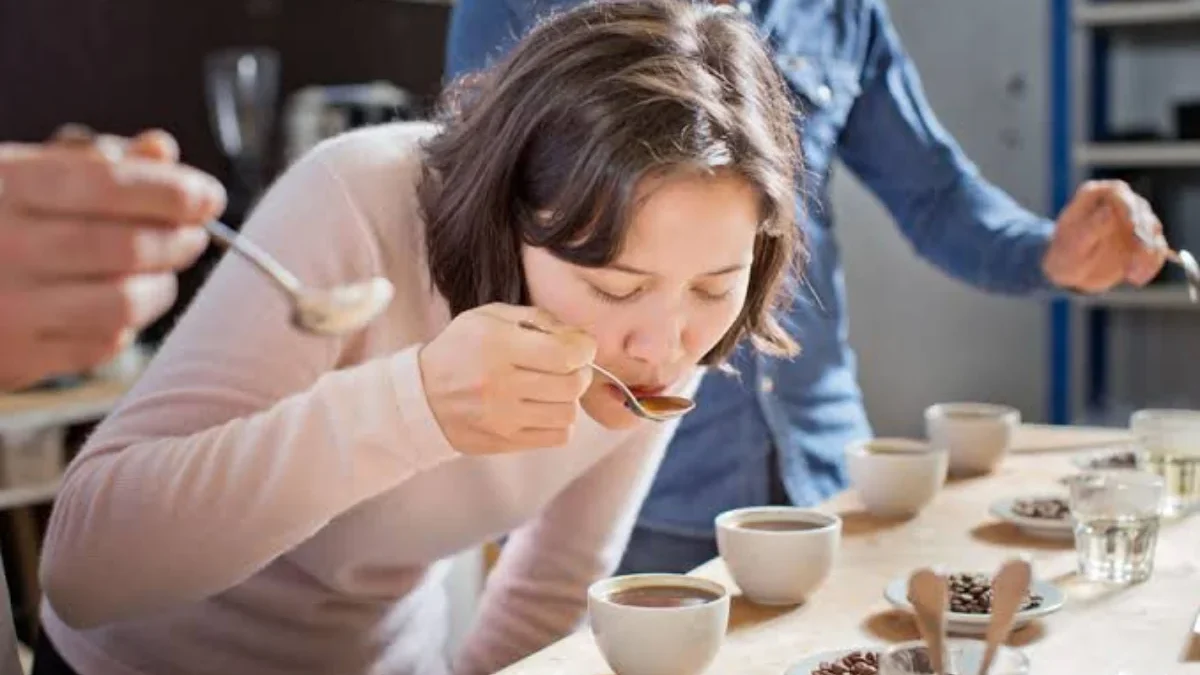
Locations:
{"points": [[267, 264], [615, 380], [612, 378], [1142, 229]]}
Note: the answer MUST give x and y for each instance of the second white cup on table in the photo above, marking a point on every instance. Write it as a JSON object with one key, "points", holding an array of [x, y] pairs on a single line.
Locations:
{"points": [[896, 477], [977, 435], [778, 555]]}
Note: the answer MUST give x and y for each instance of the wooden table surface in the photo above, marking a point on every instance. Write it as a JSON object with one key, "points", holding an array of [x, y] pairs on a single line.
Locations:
{"points": [[89, 400], [1102, 630]]}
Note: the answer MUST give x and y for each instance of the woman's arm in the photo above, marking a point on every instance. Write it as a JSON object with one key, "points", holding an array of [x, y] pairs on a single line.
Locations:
{"points": [[244, 438]]}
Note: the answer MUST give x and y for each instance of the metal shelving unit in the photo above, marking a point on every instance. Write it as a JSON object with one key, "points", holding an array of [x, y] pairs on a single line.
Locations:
{"points": [[1082, 33], [1135, 13], [1162, 297], [1180, 154]]}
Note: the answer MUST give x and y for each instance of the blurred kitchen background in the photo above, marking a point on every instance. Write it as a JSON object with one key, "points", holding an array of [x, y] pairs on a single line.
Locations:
{"points": [[1041, 93]]}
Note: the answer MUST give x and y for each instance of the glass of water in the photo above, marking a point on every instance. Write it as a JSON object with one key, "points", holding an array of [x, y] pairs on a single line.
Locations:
{"points": [[1116, 516], [963, 657], [1171, 441]]}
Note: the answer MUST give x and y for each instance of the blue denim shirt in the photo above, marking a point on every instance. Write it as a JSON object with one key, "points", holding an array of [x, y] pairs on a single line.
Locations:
{"points": [[861, 100]]}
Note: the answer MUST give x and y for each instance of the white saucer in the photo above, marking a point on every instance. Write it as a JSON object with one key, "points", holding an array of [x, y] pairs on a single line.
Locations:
{"points": [[976, 624], [1042, 528], [813, 661]]}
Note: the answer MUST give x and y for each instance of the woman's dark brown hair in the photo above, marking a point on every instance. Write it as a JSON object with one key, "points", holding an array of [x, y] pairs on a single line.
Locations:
{"points": [[590, 103]]}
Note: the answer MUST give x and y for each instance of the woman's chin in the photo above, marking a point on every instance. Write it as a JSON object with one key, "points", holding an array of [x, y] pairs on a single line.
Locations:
{"points": [[606, 407]]}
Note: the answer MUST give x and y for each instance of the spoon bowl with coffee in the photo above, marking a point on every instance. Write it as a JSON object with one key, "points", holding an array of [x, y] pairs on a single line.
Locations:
{"points": [[656, 407]]}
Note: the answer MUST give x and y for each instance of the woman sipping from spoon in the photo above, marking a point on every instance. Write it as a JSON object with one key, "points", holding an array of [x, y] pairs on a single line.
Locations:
{"points": [[278, 502]]}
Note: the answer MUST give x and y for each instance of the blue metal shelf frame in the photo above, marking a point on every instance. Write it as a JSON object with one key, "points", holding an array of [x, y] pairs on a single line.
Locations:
{"points": [[1062, 33]]}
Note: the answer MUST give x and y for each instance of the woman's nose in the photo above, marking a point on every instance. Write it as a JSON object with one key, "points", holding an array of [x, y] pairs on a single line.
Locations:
{"points": [[658, 339]]}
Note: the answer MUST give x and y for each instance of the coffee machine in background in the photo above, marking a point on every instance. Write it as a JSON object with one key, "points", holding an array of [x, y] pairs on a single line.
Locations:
{"points": [[316, 113]]}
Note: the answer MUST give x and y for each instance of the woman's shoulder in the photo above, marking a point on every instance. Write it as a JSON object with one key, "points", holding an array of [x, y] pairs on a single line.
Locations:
{"points": [[377, 170], [375, 163], [376, 145]]}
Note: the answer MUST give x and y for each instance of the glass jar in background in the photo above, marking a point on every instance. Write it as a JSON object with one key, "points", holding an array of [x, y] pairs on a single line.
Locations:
{"points": [[1171, 441]]}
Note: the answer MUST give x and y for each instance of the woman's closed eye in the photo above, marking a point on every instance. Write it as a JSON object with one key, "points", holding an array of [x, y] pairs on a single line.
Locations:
{"points": [[615, 297], [713, 294], [618, 297]]}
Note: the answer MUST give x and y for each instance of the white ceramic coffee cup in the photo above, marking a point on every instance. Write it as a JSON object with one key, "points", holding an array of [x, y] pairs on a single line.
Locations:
{"points": [[977, 434], [638, 640], [896, 477], [778, 567]]}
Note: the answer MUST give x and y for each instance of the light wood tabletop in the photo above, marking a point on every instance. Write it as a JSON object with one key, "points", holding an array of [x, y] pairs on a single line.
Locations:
{"points": [[1101, 630]]}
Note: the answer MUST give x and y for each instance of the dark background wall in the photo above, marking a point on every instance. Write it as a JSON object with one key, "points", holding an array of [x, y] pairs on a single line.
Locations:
{"points": [[121, 65], [124, 65]]}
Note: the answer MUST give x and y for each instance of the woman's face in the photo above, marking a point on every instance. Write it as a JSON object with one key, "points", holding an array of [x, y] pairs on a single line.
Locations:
{"points": [[671, 294]]}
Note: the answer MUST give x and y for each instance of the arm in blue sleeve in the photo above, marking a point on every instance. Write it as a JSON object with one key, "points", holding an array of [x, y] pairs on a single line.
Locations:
{"points": [[953, 217]]}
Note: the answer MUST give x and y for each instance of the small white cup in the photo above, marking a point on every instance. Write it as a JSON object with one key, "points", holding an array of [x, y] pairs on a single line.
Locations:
{"points": [[639, 640], [778, 567], [896, 477], [976, 434]]}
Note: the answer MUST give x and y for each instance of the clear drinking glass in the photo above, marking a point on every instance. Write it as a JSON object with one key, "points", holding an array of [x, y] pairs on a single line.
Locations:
{"points": [[1116, 516], [1171, 441], [963, 658]]}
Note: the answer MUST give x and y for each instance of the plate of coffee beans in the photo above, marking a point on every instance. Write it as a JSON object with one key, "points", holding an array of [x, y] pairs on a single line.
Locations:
{"points": [[971, 598], [856, 661], [1118, 458], [1042, 516]]}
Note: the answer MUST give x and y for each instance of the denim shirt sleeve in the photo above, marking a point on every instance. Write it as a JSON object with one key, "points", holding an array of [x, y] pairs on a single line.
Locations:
{"points": [[953, 217], [482, 30]]}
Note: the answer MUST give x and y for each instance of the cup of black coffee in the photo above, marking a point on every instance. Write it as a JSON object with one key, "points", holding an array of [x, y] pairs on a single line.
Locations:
{"points": [[658, 624], [778, 555]]}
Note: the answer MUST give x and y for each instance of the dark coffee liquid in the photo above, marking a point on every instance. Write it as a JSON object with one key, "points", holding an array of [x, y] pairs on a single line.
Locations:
{"points": [[779, 525], [662, 596], [663, 405]]}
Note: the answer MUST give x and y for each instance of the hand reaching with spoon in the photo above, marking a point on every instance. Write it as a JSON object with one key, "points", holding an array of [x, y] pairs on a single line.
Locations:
{"points": [[659, 408], [320, 311], [1098, 240], [90, 239]]}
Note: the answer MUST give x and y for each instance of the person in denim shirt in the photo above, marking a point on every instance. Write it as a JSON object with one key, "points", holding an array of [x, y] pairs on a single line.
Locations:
{"points": [[775, 433]]}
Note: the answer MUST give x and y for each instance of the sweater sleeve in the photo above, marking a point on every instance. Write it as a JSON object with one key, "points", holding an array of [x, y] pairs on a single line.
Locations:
{"points": [[537, 593], [245, 436]]}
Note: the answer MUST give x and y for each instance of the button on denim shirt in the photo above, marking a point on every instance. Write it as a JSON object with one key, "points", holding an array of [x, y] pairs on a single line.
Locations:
{"points": [[859, 99]]}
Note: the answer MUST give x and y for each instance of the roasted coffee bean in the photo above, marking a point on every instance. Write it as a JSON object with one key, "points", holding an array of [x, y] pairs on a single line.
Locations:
{"points": [[1052, 508], [854, 663], [972, 594]]}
